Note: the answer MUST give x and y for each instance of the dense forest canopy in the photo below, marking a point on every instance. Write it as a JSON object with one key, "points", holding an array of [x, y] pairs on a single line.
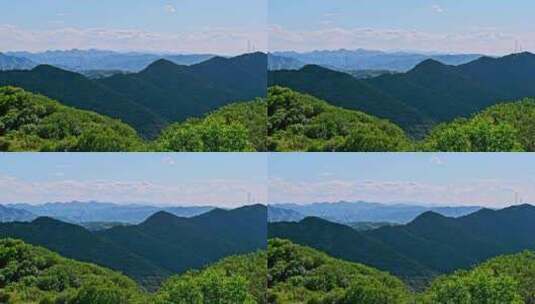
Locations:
{"points": [[299, 274], [30, 122], [31, 274], [299, 122]]}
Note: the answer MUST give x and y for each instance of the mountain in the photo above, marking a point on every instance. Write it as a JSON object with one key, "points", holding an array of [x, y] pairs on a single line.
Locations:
{"points": [[37, 275], [8, 214], [299, 274], [162, 245], [178, 244], [283, 215], [163, 92], [351, 212], [343, 90], [87, 60], [346, 243], [430, 93], [439, 244], [15, 63], [176, 92], [362, 59], [78, 243], [283, 63], [83, 212], [75, 90], [30, 122]]}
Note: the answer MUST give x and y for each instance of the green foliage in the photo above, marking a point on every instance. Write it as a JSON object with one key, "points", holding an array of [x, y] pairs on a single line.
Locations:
{"points": [[300, 122], [300, 274], [30, 122], [235, 127], [234, 280], [505, 279], [35, 275]]}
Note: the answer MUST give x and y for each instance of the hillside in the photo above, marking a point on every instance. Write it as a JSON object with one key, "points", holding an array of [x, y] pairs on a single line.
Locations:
{"points": [[298, 122], [439, 244], [162, 93], [346, 243], [75, 242], [36, 275], [150, 251], [432, 92], [300, 274], [343, 90], [30, 122], [177, 244], [501, 128]]}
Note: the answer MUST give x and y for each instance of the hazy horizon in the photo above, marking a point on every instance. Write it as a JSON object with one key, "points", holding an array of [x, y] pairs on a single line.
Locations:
{"points": [[171, 26], [167, 179], [490, 27], [492, 180]]}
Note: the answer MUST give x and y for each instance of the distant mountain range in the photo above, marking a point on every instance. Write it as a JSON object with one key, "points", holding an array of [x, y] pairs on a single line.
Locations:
{"points": [[354, 212], [361, 59], [88, 60], [161, 245], [9, 214], [430, 93], [431, 244], [162, 93], [8, 62], [87, 212]]}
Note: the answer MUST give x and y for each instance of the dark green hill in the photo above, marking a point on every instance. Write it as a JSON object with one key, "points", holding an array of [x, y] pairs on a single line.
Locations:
{"points": [[32, 274], [300, 274], [346, 243], [162, 245], [298, 122], [30, 122], [442, 92], [343, 90], [78, 243], [439, 244], [164, 92], [432, 92], [177, 244], [75, 90]]}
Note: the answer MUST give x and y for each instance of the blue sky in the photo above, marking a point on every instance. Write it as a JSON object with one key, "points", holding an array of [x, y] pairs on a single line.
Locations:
{"points": [[475, 26], [453, 179], [186, 26], [157, 178]]}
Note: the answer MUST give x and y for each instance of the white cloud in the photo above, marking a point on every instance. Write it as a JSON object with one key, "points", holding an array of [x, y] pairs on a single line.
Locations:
{"points": [[437, 8], [472, 40], [207, 40], [437, 160], [168, 160], [170, 9], [224, 193], [492, 193]]}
